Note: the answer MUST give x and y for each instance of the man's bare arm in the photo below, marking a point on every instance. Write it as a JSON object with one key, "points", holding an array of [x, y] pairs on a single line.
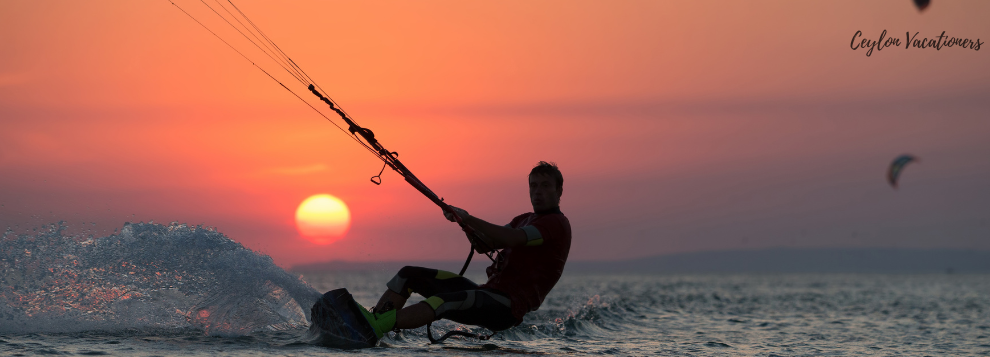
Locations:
{"points": [[492, 235]]}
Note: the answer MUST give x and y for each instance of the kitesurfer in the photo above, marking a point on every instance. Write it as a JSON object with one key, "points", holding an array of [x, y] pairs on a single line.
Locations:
{"points": [[534, 249]]}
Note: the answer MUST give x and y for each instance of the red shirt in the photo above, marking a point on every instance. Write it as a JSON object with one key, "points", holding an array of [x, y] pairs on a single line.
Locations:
{"points": [[527, 273]]}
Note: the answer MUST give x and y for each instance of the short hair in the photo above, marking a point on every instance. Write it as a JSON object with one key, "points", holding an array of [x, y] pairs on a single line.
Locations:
{"points": [[549, 169]]}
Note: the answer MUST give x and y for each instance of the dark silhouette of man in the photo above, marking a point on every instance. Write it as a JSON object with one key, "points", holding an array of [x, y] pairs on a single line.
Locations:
{"points": [[534, 249]]}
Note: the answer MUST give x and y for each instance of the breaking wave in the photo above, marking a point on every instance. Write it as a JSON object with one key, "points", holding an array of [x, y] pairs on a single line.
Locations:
{"points": [[147, 276]]}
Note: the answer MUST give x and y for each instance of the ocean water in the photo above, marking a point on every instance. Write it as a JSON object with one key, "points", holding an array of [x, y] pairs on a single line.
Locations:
{"points": [[157, 290]]}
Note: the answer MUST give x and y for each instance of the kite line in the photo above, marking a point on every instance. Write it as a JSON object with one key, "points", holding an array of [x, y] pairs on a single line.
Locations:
{"points": [[239, 21]]}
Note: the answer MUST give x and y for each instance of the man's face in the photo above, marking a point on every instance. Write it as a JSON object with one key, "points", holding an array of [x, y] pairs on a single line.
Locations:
{"points": [[543, 192]]}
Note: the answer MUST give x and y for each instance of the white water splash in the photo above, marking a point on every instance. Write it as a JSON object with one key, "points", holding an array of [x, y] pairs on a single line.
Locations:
{"points": [[147, 276]]}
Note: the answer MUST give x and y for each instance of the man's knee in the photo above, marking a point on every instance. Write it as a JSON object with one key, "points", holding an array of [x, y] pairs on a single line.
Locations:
{"points": [[400, 282], [410, 271]]}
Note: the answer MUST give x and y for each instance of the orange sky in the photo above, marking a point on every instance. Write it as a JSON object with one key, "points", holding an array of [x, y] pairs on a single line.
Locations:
{"points": [[679, 125]]}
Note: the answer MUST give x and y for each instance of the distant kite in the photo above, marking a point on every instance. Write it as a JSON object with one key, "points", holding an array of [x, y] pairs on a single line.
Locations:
{"points": [[922, 4], [896, 167]]}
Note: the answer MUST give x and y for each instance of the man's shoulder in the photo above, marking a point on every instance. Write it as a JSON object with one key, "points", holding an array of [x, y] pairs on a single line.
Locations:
{"points": [[549, 225], [530, 216], [518, 221], [557, 222], [556, 216], [522, 216]]}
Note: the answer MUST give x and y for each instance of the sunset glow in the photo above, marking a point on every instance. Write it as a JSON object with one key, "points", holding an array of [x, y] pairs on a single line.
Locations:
{"points": [[323, 219], [679, 126]]}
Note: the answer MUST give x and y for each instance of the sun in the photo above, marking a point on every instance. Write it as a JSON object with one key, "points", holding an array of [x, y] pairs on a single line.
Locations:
{"points": [[323, 219]]}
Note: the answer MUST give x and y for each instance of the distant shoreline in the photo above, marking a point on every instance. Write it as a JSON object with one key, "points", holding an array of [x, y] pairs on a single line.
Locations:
{"points": [[774, 260]]}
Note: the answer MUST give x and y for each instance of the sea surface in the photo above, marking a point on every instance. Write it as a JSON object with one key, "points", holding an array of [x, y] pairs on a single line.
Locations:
{"points": [[159, 290]]}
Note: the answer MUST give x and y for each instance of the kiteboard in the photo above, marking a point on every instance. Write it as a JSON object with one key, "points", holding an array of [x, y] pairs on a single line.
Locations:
{"points": [[339, 323]]}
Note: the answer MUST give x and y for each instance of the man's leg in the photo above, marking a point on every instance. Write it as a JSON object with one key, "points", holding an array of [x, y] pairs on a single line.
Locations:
{"points": [[414, 316], [480, 307], [410, 317], [390, 297], [423, 281]]}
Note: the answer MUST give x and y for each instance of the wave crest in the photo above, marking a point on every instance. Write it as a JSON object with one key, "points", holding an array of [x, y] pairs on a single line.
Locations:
{"points": [[147, 276]]}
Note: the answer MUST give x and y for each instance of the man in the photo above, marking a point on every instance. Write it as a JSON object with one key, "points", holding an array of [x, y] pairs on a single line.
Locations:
{"points": [[534, 250]]}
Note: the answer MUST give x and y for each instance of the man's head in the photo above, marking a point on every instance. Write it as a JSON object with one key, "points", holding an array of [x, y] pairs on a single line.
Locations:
{"points": [[546, 184]]}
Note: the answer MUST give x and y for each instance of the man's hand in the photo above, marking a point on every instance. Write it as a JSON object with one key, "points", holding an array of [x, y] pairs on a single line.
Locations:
{"points": [[479, 244], [450, 216], [490, 236]]}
